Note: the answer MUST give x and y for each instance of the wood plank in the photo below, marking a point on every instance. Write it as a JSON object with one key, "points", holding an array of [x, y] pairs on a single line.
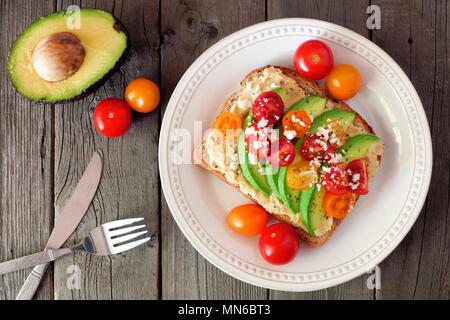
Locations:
{"points": [[188, 29], [419, 267], [26, 183], [350, 14], [129, 186]]}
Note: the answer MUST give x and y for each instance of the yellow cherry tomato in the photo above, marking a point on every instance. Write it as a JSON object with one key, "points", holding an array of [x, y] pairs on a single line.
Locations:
{"points": [[343, 82], [142, 95], [301, 176]]}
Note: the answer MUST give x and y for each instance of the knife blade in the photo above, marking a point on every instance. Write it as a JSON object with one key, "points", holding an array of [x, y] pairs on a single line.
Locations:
{"points": [[67, 221]]}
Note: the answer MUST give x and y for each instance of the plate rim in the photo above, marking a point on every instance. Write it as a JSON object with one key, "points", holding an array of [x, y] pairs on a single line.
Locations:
{"points": [[275, 284]]}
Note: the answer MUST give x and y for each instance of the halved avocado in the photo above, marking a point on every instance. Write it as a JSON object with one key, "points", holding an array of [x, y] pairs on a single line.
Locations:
{"points": [[357, 147], [104, 44], [344, 117]]}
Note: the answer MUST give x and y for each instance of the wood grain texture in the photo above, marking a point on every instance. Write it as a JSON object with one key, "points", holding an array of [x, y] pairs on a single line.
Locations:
{"points": [[416, 34], [45, 149], [189, 28], [130, 184], [350, 14], [26, 177]]}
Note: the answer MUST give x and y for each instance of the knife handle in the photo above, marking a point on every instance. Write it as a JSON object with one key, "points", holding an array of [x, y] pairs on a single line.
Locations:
{"points": [[34, 278], [31, 285]]}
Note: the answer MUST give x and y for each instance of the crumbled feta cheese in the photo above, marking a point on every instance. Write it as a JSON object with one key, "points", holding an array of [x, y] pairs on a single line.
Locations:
{"points": [[290, 134], [273, 85], [322, 143], [256, 144], [326, 169], [252, 158], [337, 157], [325, 133], [294, 119], [262, 123], [276, 117], [250, 130], [315, 162], [356, 177], [353, 186]]}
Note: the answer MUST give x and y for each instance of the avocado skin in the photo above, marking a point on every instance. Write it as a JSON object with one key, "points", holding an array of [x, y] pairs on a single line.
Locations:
{"points": [[119, 26]]}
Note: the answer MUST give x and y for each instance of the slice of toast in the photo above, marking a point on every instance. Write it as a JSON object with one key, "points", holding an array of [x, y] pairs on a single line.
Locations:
{"points": [[298, 87]]}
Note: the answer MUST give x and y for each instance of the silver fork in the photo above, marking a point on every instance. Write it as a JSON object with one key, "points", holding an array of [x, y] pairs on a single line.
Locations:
{"points": [[110, 238]]}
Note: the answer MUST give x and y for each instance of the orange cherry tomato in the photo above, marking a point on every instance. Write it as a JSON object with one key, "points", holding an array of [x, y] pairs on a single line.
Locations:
{"points": [[248, 219], [301, 176], [142, 95], [343, 82], [297, 120], [338, 206], [227, 121]]}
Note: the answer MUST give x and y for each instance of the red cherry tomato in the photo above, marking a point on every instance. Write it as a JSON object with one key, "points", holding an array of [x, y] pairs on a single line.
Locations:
{"points": [[248, 219], [357, 177], [282, 153], [334, 179], [314, 147], [313, 60], [269, 107], [278, 243], [257, 141], [112, 117]]}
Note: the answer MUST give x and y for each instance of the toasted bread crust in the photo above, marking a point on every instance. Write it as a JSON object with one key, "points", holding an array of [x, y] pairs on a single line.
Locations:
{"points": [[310, 88]]}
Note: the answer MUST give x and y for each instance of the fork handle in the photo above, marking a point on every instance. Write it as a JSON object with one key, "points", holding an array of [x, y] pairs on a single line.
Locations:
{"points": [[32, 260]]}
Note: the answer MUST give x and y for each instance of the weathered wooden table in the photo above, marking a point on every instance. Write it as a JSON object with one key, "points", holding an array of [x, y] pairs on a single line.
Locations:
{"points": [[44, 150]]}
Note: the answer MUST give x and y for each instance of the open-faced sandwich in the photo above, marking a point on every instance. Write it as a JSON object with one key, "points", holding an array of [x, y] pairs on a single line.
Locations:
{"points": [[327, 153]]}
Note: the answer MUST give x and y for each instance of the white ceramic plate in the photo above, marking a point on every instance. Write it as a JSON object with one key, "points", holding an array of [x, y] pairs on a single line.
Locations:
{"points": [[199, 201]]}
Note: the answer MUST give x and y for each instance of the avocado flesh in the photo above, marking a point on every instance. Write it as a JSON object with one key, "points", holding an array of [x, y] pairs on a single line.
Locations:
{"points": [[357, 147], [312, 105], [291, 198], [102, 37], [272, 179], [344, 117], [316, 212], [305, 200], [251, 171]]}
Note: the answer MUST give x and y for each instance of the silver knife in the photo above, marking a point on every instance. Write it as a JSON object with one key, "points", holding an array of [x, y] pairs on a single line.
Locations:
{"points": [[67, 221]]}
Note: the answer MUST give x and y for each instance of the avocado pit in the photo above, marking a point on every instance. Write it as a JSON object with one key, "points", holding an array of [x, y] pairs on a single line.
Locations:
{"points": [[58, 56]]}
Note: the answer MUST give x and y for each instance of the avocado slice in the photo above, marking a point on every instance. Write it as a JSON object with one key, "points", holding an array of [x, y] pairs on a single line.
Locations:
{"points": [[291, 198], [357, 147], [345, 118], [103, 38], [248, 119], [315, 212], [272, 179], [312, 105], [305, 200], [251, 171]]}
